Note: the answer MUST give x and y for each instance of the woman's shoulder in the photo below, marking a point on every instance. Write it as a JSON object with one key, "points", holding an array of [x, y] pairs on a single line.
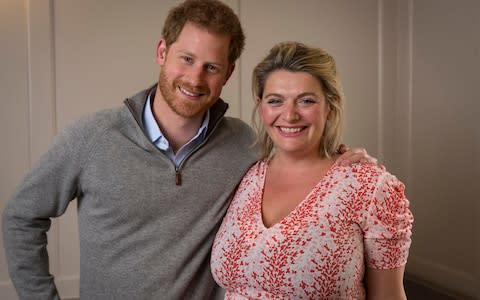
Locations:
{"points": [[367, 169], [255, 174], [368, 174], [257, 168]]}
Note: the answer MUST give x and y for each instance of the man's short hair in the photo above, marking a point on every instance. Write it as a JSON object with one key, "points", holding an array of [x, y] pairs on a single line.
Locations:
{"points": [[213, 15]]}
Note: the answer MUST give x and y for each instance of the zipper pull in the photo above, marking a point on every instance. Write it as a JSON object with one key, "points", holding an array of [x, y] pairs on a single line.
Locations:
{"points": [[178, 177]]}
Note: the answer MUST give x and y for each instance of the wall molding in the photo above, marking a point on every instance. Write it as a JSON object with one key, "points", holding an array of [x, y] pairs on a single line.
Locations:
{"points": [[380, 81], [404, 85], [41, 95], [460, 284], [68, 286]]}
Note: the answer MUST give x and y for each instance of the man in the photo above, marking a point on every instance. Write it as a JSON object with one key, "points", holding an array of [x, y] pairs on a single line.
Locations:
{"points": [[152, 178]]}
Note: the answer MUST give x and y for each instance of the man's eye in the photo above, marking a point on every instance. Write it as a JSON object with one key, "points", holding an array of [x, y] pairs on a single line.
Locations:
{"points": [[187, 59], [212, 68]]}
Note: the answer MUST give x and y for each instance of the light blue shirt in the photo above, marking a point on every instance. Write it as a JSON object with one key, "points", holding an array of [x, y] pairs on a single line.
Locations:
{"points": [[156, 136]]}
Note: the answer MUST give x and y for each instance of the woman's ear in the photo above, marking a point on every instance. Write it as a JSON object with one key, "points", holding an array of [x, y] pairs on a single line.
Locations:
{"points": [[331, 112], [331, 108], [258, 107]]}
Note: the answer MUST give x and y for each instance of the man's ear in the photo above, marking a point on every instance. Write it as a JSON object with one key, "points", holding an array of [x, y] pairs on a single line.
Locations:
{"points": [[161, 52], [230, 70]]}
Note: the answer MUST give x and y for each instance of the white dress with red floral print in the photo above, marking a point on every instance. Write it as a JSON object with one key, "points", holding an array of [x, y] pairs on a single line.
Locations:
{"points": [[356, 216]]}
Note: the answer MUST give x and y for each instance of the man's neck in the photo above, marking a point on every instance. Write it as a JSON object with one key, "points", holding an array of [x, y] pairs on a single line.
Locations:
{"points": [[177, 129]]}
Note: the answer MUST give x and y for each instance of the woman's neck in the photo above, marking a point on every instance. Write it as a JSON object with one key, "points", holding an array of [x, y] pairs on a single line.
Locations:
{"points": [[285, 161]]}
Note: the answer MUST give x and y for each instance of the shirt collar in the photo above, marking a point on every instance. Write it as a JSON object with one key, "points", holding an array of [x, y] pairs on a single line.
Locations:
{"points": [[155, 134]]}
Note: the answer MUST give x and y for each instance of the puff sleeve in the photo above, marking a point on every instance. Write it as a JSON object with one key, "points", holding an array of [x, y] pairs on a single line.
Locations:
{"points": [[388, 224]]}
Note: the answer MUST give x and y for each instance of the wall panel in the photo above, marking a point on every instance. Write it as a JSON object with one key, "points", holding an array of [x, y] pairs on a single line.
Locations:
{"points": [[445, 108]]}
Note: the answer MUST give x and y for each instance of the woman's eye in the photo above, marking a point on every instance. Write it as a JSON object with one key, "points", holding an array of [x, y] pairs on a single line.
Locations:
{"points": [[307, 101], [274, 101]]}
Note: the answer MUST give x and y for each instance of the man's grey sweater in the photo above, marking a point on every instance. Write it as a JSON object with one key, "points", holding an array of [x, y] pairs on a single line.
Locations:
{"points": [[142, 234]]}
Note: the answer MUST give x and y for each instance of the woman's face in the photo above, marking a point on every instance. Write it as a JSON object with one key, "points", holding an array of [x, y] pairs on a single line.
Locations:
{"points": [[294, 112]]}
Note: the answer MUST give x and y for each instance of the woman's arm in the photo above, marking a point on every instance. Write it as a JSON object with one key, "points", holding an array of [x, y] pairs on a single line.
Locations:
{"points": [[385, 284]]}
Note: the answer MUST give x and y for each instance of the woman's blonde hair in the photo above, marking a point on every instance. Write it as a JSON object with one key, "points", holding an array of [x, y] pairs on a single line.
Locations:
{"points": [[297, 57]]}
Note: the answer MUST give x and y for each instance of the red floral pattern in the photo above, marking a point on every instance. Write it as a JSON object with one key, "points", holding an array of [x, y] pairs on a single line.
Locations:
{"points": [[355, 216]]}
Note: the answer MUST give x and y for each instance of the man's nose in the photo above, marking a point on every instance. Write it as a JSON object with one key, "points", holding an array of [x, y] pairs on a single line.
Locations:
{"points": [[196, 75]]}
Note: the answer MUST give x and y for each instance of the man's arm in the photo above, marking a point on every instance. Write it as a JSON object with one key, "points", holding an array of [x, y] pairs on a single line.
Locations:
{"points": [[44, 193], [25, 243]]}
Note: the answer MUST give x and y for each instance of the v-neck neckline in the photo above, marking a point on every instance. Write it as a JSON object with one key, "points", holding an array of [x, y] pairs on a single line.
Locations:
{"points": [[294, 211]]}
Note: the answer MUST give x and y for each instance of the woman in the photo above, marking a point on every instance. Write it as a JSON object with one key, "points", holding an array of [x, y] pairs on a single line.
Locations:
{"points": [[300, 225]]}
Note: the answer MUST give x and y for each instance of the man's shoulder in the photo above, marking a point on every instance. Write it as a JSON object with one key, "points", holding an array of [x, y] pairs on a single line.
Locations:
{"points": [[237, 125], [93, 124], [100, 119]]}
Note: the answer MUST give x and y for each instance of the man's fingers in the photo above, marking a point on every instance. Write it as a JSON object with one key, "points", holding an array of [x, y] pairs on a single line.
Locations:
{"points": [[342, 148], [356, 155]]}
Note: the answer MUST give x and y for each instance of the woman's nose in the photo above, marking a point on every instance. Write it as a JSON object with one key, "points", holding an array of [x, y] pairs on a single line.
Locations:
{"points": [[290, 113]]}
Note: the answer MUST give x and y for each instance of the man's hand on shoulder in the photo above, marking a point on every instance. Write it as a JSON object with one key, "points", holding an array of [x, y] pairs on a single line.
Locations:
{"points": [[350, 156]]}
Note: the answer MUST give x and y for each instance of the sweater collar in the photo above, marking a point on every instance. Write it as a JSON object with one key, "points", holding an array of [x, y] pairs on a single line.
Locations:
{"points": [[137, 103]]}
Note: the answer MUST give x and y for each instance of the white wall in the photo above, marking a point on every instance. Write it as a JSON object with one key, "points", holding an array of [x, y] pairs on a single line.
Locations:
{"points": [[409, 70]]}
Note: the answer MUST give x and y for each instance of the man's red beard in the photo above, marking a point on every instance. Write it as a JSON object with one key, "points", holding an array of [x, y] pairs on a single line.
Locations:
{"points": [[182, 107]]}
